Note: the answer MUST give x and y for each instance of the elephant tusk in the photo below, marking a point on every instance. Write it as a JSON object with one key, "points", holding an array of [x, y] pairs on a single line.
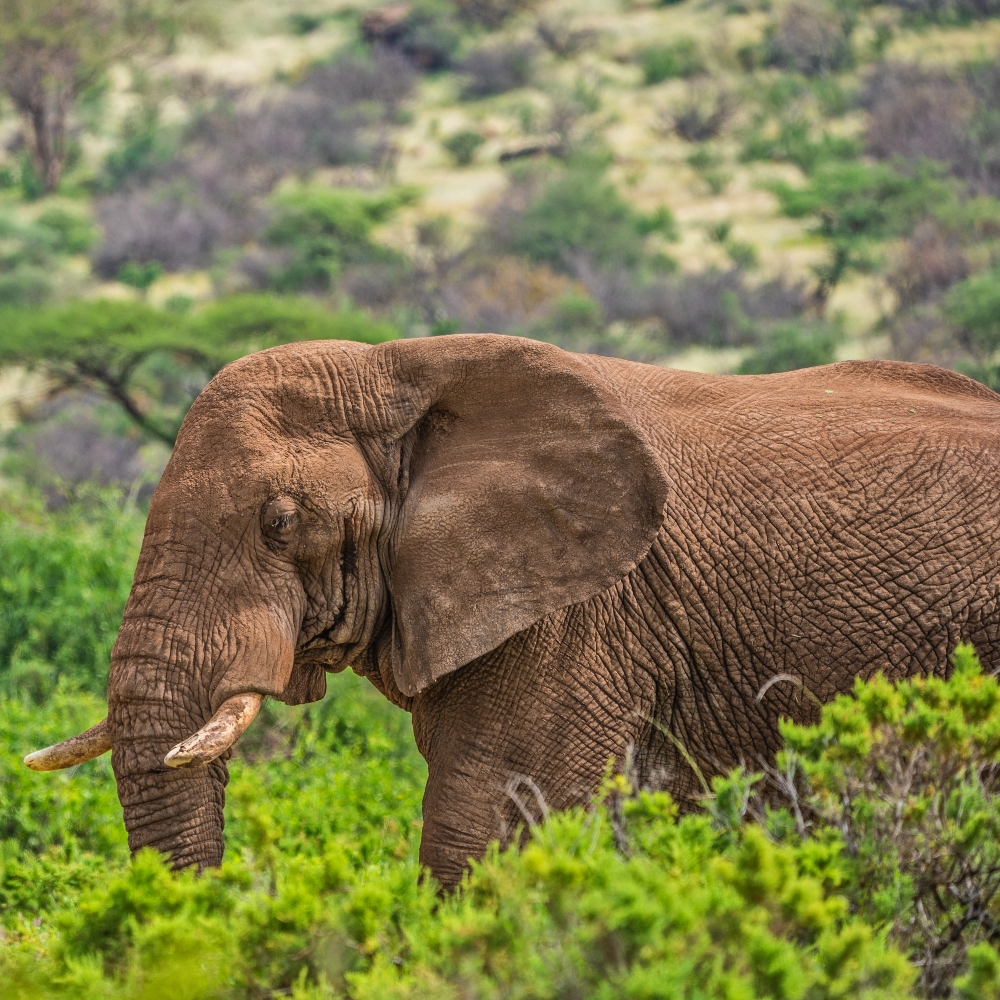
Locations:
{"points": [[218, 734], [69, 753]]}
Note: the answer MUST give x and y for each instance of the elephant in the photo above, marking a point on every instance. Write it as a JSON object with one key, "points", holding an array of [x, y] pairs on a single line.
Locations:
{"points": [[555, 562]]}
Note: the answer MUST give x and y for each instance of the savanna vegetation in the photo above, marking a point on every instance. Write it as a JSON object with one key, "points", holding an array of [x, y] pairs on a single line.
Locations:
{"points": [[862, 863], [734, 185]]}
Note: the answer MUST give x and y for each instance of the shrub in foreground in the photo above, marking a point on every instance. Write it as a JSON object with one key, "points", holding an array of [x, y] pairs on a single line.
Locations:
{"points": [[909, 776], [876, 843]]}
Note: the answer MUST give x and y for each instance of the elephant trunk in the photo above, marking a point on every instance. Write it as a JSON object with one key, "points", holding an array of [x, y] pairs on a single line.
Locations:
{"points": [[182, 689], [177, 812]]}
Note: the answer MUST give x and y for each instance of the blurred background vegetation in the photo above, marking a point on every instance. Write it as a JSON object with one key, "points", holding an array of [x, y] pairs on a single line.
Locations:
{"points": [[742, 186]]}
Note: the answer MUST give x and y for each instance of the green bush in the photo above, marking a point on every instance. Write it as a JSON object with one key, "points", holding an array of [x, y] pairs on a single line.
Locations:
{"points": [[789, 346], [858, 200], [139, 276], [857, 204], [794, 143], [681, 58], [907, 774], [692, 907], [58, 827], [29, 254], [578, 214], [72, 233], [64, 579], [324, 229], [973, 306], [463, 146]]}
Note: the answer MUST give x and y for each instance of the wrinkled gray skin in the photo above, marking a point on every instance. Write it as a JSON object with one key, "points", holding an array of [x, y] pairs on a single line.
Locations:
{"points": [[547, 559]]}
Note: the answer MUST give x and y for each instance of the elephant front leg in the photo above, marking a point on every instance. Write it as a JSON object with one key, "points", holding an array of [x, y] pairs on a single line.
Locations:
{"points": [[511, 736]]}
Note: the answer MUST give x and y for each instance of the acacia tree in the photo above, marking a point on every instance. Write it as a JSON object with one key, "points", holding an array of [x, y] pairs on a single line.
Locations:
{"points": [[51, 51], [151, 362]]}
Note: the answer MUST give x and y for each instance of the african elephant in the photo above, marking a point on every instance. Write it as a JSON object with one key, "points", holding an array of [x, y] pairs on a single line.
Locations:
{"points": [[551, 560]]}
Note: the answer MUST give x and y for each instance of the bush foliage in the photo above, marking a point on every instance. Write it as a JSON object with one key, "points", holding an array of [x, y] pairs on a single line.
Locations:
{"points": [[63, 584], [868, 868]]}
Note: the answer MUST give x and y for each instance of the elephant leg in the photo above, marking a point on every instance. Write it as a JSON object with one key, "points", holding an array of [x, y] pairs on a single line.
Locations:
{"points": [[530, 727]]}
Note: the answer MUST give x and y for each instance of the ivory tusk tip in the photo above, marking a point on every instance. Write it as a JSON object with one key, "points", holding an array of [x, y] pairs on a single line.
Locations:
{"points": [[218, 735], [180, 758], [94, 742]]}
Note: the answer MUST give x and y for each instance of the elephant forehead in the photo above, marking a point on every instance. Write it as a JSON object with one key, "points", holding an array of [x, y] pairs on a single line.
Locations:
{"points": [[227, 481], [296, 390]]}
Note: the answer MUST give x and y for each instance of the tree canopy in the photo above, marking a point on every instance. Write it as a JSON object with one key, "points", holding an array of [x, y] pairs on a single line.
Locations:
{"points": [[132, 352]]}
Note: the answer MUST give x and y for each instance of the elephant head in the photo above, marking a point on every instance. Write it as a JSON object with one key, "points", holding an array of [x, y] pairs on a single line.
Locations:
{"points": [[403, 509]]}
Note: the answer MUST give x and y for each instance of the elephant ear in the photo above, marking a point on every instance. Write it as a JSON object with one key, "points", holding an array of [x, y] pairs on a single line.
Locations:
{"points": [[525, 486]]}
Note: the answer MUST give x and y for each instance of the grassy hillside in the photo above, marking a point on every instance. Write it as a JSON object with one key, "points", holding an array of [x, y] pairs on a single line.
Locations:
{"points": [[695, 113]]}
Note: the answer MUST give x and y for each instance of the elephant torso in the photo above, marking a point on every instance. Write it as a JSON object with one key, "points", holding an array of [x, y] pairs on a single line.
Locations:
{"points": [[826, 525], [822, 525]]}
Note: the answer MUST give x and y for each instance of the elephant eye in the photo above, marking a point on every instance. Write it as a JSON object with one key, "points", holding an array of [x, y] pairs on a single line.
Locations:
{"points": [[278, 521]]}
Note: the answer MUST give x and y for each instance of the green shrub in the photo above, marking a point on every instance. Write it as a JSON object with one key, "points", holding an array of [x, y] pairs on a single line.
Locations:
{"points": [[144, 147], [742, 254], [304, 24], [73, 233], [25, 285], [323, 230], [973, 306], [794, 143], [579, 214], [907, 774], [692, 908], [856, 204], [463, 146], [683, 915], [54, 826], [139, 276], [29, 257], [64, 579], [709, 167], [681, 58], [789, 346]]}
